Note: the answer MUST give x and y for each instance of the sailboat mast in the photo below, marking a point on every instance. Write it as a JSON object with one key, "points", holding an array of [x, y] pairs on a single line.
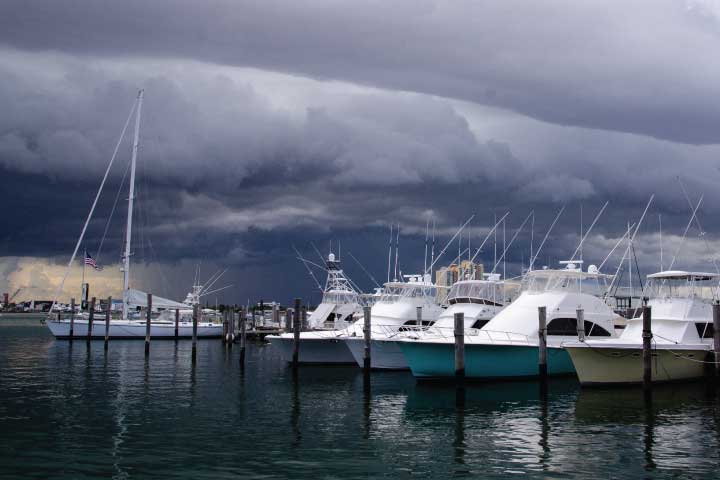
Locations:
{"points": [[131, 198]]}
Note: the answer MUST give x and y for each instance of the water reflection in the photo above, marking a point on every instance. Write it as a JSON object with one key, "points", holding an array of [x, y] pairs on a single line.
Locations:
{"points": [[214, 420]]}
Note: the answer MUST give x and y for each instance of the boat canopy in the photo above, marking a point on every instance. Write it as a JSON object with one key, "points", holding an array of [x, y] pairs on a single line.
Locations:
{"points": [[486, 292], [567, 279], [681, 284], [137, 298], [394, 291], [682, 275]]}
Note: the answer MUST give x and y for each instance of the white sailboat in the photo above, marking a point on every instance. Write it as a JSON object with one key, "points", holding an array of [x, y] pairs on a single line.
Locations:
{"points": [[128, 327]]}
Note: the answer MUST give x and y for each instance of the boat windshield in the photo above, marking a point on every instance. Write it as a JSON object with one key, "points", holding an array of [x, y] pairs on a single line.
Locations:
{"points": [[476, 292], [395, 291], [704, 288], [565, 280], [339, 297]]}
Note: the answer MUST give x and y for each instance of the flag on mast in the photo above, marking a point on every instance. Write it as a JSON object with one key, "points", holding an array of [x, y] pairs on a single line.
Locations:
{"points": [[91, 261]]}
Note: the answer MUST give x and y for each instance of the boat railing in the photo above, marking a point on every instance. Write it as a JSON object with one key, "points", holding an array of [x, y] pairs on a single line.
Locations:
{"points": [[472, 335]]}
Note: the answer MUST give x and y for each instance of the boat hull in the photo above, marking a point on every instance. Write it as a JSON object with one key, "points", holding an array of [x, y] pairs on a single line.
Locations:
{"points": [[384, 354], [483, 362], [130, 330], [614, 366], [321, 351]]}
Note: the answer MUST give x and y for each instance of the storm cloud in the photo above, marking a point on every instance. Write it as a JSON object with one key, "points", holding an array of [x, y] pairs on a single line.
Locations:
{"points": [[272, 124]]}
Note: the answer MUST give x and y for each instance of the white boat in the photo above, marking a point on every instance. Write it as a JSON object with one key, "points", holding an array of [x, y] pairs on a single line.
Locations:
{"points": [[507, 345], [682, 332], [394, 313], [133, 299], [131, 329], [328, 322]]}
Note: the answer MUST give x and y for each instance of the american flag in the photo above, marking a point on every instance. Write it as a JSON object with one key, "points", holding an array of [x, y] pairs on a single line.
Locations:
{"points": [[90, 261]]}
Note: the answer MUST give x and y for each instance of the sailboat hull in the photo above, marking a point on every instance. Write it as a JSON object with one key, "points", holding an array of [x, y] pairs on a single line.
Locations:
{"points": [[482, 362], [384, 354], [131, 329]]}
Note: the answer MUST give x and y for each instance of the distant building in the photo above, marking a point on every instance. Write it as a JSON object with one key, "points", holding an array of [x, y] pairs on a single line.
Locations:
{"points": [[445, 277]]}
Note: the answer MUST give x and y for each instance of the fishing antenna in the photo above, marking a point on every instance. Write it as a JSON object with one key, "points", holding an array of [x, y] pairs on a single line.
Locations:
{"points": [[427, 227], [308, 268], [363, 269], [687, 227], [390, 252], [397, 251], [552, 225], [450, 242], [597, 217], [701, 231], [511, 242], [479, 249], [627, 232], [632, 239]]}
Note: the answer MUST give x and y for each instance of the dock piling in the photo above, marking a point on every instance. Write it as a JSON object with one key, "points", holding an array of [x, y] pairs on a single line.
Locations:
{"points": [[297, 320], [647, 347], [716, 337], [148, 324], [288, 320], [91, 315], [580, 324], [459, 347], [196, 307], [177, 324], [542, 344], [303, 322], [418, 318], [243, 329], [367, 333], [225, 328], [107, 323], [275, 315], [72, 318]]}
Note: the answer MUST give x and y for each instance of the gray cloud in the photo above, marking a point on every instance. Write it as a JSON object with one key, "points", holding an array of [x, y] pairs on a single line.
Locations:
{"points": [[645, 67]]}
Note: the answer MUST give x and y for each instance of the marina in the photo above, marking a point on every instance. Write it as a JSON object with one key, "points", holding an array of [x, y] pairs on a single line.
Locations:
{"points": [[72, 411], [359, 240]]}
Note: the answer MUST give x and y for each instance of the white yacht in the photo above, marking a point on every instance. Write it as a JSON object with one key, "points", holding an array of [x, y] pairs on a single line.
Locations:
{"points": [[682, 331], [507, 345], [395, 312], [333, 318]]}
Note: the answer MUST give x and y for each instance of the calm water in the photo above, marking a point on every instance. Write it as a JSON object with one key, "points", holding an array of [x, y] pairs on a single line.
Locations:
{"points": [[72, 413]]}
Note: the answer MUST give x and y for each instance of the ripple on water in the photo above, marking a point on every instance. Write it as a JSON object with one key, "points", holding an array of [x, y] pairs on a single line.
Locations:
{"points": [[69, 412]]}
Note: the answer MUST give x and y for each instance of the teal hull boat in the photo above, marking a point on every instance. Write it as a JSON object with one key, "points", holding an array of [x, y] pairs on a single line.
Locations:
{"points": [[483, 361]]}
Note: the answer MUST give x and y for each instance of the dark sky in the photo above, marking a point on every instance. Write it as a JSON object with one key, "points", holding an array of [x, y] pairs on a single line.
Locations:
{"points": [[268, 124]]}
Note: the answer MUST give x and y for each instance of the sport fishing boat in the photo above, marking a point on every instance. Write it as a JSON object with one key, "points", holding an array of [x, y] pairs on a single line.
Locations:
{"points": [[682, 332], [478, 300], [133, 323], [403, 306], [507, 345], [333, 318]]}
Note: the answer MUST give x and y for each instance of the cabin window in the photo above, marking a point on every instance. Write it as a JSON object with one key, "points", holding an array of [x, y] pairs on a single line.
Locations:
{"points": [[479, 324], [705, 330], [413, 323], [568, 327]]}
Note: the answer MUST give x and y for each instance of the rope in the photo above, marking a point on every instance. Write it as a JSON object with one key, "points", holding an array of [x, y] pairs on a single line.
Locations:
{"points": [[112, 212]]}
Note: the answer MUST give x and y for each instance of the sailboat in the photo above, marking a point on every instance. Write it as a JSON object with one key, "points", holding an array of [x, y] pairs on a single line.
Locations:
{"points": [[128, 327]]}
